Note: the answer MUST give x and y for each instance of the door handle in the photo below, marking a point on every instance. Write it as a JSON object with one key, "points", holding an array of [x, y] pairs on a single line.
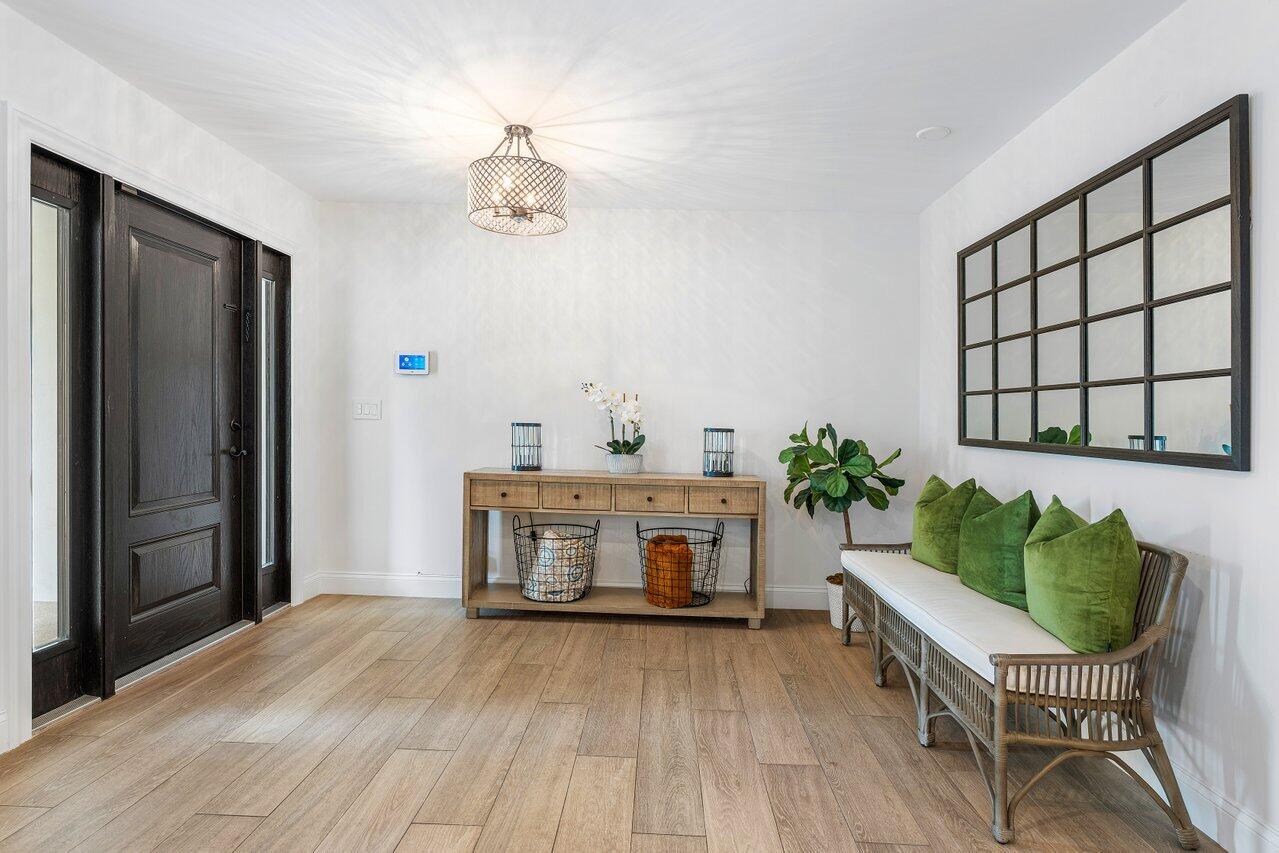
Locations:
{"points": [[235, 452]]}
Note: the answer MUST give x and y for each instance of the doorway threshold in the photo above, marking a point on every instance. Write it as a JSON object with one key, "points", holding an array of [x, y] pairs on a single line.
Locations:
{"points": [[181, 654]]}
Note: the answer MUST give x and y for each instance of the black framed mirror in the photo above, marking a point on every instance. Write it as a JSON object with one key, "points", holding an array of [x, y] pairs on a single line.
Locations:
{"points": [[1113, 321]]}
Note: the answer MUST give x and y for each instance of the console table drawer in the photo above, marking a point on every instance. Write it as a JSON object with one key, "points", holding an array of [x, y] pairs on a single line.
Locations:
{"points": [[650, 498], [592, 496], [722, 499], [504, 494]]}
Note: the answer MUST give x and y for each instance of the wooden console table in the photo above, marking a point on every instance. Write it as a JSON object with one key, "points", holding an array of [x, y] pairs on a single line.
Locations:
{"points": [[600, 493]]}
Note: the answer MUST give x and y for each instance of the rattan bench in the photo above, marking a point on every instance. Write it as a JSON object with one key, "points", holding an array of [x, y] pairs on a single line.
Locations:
{"points": [[1084, 705]]}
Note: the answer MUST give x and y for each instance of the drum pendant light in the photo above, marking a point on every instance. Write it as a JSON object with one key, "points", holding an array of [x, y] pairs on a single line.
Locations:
{"points": [[511, 193]]}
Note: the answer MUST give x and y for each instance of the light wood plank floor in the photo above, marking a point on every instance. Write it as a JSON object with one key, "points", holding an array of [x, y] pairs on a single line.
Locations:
{"points": [[389, 723]]}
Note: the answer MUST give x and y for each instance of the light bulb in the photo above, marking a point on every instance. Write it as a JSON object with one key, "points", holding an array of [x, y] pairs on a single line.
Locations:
{"points": [[530, 199], [496, 195], [506, 182]]}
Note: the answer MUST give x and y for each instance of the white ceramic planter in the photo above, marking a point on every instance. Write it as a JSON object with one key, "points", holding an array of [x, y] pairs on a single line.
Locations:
{"points": [[624, 463], [836, 593]]}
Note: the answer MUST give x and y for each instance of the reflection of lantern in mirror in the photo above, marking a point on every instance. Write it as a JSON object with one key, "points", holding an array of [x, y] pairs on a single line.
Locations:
{"points": [[1138, 442]]}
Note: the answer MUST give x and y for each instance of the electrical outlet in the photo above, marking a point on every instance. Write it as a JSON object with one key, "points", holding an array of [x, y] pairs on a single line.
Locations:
{"points": [[366, 410]]}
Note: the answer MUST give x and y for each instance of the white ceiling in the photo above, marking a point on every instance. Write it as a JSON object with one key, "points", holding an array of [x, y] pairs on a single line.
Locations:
{"points": [[718, 104]]}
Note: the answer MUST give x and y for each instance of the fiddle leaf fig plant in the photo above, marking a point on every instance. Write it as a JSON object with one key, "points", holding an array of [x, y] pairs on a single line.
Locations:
{"points": [[836, 476]]}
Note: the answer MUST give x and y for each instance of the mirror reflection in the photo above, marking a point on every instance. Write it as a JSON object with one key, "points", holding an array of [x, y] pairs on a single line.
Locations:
{"points": [[977, 272], [977, 416], [1192, 254], [1057, 236], [1116, 347], [1193, 334], [1058, 296], [1059, 356], [977, 369], [1014, 310], [1014, 416], [1116, 412], [1059, 417], [1194, 173], [1014, 255], [1114, 278], [1014, 363], [1194, 414], [977, 322], [1114, 209]]}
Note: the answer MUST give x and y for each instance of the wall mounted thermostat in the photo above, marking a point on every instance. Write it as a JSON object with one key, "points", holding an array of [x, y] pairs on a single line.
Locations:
{"points": [[415, 363]]}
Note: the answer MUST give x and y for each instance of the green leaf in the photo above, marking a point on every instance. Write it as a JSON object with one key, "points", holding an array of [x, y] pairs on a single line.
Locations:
{"points": [[812, 507], [830, 430], [799, 467], [821, 435], [862, 448], [847, 450], [636, 443], [790, 490], [876, 498], [890, 484], [859, 466], [801, 496], [837, 504], [1075, 433], [803, 434], [891, 458], [1053, 435], [820, 455], [786, 456], [836, 485]]}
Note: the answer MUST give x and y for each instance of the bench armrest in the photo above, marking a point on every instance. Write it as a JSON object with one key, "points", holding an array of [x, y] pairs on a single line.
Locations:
{"points": [[1071, 679]]}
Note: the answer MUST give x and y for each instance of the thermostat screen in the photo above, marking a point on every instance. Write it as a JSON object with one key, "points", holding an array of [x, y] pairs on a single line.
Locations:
{"points": [[407, 362]]}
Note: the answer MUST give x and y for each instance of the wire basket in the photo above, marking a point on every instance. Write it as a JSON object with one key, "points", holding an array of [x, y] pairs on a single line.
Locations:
{"points": [[556, 562], [679, 566]]}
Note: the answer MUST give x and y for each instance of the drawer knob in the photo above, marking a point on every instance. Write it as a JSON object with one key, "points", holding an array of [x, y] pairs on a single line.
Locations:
{"points": [[577, 497], [503, 494], [649, 498], [723, 500]]}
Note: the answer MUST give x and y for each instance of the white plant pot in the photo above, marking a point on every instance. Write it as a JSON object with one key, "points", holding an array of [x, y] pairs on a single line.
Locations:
{"points": [[836, 593], [624, 463]]}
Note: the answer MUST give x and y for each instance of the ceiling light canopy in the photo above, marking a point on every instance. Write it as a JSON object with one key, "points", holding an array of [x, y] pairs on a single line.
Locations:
{"points": [[511, 193]]}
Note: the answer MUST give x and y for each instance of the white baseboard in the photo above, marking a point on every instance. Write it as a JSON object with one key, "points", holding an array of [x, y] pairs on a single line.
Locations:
{"points": [[383, 583], [449, 586], [1223, 820]]}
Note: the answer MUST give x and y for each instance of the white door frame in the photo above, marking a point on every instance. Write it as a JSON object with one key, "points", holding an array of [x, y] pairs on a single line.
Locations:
{"points": [[18, 132]]}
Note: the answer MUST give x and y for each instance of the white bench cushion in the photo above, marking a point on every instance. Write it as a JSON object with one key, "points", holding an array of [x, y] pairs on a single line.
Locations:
{"points": [[967, 624]]}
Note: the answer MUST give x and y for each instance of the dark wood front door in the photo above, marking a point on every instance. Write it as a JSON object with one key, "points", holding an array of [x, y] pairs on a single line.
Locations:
{"points": [[172, 379]]}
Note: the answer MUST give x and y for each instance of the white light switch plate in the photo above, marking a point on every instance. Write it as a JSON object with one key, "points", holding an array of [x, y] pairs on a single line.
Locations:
{"points": [[366, 410]]}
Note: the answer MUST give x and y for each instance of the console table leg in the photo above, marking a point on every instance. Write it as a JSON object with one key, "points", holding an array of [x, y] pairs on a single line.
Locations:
{"points": [[752, 623], [472, 612]]}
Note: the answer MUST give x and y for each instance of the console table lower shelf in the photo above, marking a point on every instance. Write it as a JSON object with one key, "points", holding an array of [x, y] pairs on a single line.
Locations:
{"points": [[599, 493]]}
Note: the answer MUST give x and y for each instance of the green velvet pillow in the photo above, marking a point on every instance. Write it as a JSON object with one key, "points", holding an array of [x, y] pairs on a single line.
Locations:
{"points": [[992, 542], [938, 514], [1082, 579]]}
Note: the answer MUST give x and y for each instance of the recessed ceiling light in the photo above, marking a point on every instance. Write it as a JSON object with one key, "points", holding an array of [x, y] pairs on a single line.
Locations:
{"points": [[937, 131]]}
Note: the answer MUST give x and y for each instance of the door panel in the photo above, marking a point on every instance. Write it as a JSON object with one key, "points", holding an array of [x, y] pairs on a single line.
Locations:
{"points": [[172, 360]]}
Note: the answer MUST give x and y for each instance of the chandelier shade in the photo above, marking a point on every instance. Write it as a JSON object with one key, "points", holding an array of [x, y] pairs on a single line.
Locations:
{"points": [[511, 193]]}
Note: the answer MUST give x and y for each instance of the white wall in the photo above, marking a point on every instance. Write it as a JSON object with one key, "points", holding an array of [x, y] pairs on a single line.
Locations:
{"points": [[756, 321], [52, 95], [1217, 704]]}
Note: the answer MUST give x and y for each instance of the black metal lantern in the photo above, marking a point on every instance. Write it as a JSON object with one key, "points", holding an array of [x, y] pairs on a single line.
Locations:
{"points": [[717, 452], [526, 446]]}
